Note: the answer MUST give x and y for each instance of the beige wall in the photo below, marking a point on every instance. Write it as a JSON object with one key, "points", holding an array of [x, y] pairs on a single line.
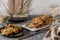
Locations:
{"points": [[42, 6]]}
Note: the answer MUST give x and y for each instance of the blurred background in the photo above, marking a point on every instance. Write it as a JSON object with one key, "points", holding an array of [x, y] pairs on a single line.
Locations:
{"points": [[35, 6]]}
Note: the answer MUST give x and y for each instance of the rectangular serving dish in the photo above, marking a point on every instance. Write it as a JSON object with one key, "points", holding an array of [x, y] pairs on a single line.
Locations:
{"points": [[35, 29]]}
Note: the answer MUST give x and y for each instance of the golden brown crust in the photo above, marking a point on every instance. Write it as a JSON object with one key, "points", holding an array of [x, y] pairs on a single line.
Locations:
{"points": [[39, 21], [48, 20], [11, 28]]}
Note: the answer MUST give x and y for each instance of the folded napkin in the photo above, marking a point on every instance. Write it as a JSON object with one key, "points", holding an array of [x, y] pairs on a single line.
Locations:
{"points": [[2, 19], [47, 36], [50, 35]]}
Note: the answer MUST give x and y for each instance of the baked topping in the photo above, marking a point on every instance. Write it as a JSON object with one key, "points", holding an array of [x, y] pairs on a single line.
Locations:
{"points": [[38, 21]]}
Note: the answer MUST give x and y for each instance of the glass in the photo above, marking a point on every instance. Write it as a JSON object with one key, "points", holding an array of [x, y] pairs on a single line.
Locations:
{"points": [[53, 9]]}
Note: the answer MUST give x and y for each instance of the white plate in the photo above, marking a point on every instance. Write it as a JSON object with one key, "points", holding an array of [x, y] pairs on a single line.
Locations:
{"points": [[35, 29]]}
